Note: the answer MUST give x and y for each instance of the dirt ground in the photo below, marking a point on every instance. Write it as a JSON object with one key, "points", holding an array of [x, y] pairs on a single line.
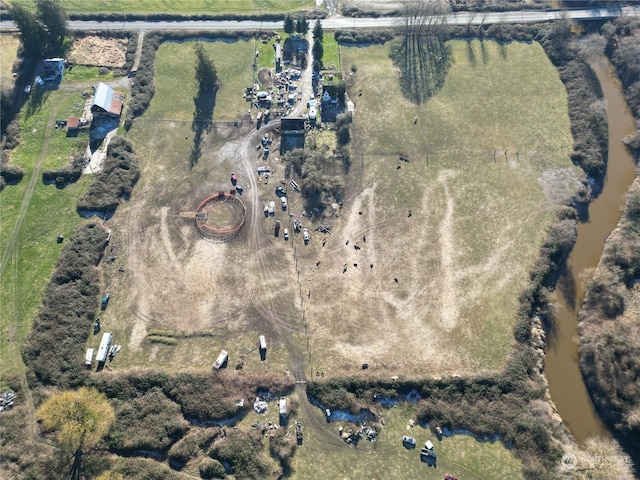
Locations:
{"points": [[98, 51]]}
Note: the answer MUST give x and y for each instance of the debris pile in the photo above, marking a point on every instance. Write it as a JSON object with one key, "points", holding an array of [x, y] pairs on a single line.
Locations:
{"points": [[6, 400]]}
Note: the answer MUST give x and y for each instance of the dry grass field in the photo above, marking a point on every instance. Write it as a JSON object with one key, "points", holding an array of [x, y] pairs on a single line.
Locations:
{"points": [[9, 47], [433, 294]]}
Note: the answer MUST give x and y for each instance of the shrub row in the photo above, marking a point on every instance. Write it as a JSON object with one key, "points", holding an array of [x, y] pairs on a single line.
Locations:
{"points": [[116, 181], [9, 174], [623, 48], [584, 95], [68, 174], [353, 37], [53, 350]]}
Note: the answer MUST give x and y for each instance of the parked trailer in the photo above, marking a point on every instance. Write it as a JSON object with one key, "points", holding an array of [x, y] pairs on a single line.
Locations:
{"points": [[263, 343], [220, 361], [103, 350], [88, 358], [283, 406]]}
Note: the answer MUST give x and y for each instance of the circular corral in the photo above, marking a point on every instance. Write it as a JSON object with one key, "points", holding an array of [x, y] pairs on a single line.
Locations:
{"points": [[264, 77], [220, 217]]}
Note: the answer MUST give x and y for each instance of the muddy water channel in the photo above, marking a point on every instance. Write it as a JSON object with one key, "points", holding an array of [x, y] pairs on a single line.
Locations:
{"points": [[567, 388]]}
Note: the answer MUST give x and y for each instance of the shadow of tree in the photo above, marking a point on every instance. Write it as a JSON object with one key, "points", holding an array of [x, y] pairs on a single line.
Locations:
{"points": [[423, 63], [36, 99], [202, 122], [567, 287]]}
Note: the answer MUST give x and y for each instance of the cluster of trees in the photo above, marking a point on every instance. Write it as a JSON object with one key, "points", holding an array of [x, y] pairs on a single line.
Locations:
{"points": [[299, 24], [119, 174], [42, 32], [315, 185]]}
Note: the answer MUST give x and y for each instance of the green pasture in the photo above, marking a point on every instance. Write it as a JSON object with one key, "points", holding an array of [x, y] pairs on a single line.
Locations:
{"points": [[176, 86], [386, 458], [51, 212], [182, 7], [476, 152], [84, 73], [331, 52]]}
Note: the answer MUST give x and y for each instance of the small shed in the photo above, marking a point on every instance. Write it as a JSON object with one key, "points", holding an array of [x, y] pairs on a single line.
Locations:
{"points": [[73, 123], [263, 343], [283, 406]]}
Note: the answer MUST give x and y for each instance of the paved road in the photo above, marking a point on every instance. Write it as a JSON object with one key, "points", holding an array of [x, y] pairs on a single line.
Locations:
{"points": [[339, 22]]}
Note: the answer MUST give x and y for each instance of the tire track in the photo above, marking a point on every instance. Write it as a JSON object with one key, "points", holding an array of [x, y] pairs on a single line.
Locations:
{"points": [[26, 200], [284, 325]]}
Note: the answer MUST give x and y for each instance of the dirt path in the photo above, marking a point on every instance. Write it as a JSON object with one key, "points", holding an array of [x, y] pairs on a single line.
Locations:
{"points": [[136, 61], [281, 323], [26, 200]]}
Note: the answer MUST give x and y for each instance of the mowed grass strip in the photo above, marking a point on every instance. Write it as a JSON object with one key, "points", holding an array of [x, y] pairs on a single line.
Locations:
{"points": [[386, 458], [182, 7], [462, 258], [51, 212]]}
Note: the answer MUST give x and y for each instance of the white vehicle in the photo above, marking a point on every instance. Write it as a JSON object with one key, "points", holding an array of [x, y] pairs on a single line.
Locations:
{"points": [[286, 234], [305, 236], [283, 200]]}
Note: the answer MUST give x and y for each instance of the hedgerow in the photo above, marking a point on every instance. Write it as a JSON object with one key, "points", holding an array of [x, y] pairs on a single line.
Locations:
{"points": [[115, 182], [53, 350]]}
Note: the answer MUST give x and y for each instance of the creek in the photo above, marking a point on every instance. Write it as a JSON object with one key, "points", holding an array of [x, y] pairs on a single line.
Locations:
{"points": [[562, 369]]}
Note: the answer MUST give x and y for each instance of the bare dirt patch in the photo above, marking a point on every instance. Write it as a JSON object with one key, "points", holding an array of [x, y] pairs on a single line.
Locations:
{"points": [[98, 51]]}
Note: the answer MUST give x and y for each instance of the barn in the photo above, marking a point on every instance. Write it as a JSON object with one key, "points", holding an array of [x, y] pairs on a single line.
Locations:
{"points": [[106, 101]]}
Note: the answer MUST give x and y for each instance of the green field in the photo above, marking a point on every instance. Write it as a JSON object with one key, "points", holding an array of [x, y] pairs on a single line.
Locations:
{"points": [[331, 52], [176, 86], [386, 458], [182, 7], [51, 212]]}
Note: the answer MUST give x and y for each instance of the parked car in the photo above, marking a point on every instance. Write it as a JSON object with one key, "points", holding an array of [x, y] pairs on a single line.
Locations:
{"points": [[283, 200], [408, 442], [305, 236], [286, 234], [105, 301]]}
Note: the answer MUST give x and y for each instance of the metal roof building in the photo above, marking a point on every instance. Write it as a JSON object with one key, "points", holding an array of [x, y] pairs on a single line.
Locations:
{"points": [[107, 100]]}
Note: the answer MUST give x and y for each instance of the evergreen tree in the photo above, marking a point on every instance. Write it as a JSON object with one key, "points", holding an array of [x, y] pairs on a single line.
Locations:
{"points": [[289, 24], [302, 25], [318, 32], [318, 51]]}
